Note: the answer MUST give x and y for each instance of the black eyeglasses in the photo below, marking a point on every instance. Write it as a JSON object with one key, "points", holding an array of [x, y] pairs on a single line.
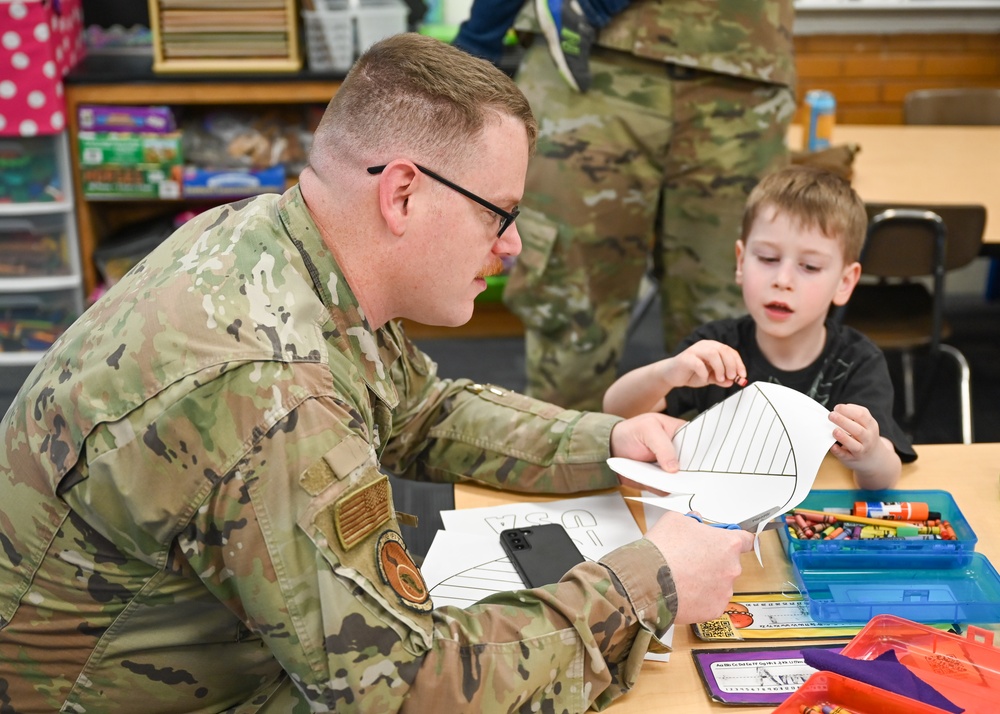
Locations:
{"points": [[506, 218]]}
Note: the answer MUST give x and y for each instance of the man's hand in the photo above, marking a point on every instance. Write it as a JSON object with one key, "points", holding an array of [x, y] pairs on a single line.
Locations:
{"points": [[647, 437], [704, 563]]}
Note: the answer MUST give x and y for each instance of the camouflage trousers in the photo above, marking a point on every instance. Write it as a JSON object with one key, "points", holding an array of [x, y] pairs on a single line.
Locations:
{"points": [[649, 170]]}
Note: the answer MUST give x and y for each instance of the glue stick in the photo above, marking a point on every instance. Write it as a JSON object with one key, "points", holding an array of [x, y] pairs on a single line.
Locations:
{"points": [[893, 511]]}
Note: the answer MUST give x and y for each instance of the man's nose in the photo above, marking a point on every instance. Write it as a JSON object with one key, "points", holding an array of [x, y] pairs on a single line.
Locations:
{"points": [[509, 243]]}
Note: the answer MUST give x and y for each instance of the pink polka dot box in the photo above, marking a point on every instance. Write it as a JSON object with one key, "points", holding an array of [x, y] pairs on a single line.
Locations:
{"points": [[40, 41]]}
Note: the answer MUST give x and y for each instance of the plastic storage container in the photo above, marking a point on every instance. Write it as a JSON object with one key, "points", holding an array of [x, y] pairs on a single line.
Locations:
{"points": [[34, 246], [955, 587], [940, 501], [964, 669], [40, 276], [340, 30], [30, 170], [31, 322], [857, 697]]}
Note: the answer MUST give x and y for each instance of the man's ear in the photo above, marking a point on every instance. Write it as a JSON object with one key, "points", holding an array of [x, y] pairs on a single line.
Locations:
{"points": [[848, 279], [395, 189], [740, 254]]}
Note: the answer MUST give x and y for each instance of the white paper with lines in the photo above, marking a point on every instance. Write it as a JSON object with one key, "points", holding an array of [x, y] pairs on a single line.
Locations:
{"points": [[466, 562], [752, 456]]}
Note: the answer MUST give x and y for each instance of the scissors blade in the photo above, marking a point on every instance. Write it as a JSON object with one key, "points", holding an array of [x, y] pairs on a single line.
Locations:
{"points": [[751, 523]]}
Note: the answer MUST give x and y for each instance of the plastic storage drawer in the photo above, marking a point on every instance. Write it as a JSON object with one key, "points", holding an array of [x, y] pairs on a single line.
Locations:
{"points": [[34, 246], [31, 322], [30, 170]]}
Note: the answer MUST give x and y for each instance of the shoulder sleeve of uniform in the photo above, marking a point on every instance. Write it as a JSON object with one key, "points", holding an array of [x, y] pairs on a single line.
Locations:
{"points": [[456, 430]]}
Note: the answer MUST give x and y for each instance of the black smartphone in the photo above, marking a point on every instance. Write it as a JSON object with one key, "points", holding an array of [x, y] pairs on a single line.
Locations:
{"points": [[540, 554]]}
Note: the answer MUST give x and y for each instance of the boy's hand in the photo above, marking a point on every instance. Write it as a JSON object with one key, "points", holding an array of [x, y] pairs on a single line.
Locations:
{"points": [[856, 433], [704, 363], [860, 447]]}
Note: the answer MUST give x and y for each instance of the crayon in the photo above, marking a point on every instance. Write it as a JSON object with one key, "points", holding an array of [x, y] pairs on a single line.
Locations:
{"points": [[833, 534], [833, 709]]}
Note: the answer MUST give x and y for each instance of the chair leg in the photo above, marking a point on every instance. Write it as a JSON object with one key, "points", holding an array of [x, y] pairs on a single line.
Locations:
{"points": [[964, 391], [909, 401]]}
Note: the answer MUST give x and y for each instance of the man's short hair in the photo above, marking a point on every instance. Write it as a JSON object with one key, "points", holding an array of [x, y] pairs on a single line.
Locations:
{"points": [[813, 198], [415, 94]]}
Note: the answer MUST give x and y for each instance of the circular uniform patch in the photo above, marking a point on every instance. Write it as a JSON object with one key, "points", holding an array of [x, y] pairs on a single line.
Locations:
{"points": [[400, 573]]}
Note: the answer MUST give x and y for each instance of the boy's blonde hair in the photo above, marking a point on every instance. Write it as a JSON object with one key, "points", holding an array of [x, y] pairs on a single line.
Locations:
{"points": [[814, 198], [415, 94]]}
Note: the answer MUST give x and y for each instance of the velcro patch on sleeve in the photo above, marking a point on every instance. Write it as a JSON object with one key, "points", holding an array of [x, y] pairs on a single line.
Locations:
{"points": [[400, 573], [358, 513]]}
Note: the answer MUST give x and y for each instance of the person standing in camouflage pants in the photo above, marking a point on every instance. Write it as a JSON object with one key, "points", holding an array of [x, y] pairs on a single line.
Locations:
{"points": [[195, 510], [689, 105]]}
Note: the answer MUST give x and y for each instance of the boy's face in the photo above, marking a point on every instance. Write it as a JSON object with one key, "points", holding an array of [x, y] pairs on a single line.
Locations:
{"points": [[790, 275]]}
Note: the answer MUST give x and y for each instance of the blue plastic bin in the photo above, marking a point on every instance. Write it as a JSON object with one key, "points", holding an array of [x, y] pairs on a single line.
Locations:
{"points": [[940, 501], [929, 587]]}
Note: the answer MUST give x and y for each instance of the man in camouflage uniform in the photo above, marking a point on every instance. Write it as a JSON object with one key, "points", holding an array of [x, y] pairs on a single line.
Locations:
{"points": [[688, 107], [194, 507]]}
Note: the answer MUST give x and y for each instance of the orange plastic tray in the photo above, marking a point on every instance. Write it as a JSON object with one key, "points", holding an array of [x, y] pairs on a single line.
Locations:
{"points": [[964, 669], [857, 697]]}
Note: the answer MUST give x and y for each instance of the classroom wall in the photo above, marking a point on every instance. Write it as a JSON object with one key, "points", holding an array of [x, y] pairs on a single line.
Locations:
{"points": [[870, 74]]}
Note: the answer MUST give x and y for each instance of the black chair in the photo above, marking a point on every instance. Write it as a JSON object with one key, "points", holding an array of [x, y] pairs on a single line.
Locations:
{"points": [[899, 311]]}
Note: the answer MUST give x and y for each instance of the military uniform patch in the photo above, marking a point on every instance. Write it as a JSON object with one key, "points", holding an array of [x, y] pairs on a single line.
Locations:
{"points": [[358, 513], [400, 573]]}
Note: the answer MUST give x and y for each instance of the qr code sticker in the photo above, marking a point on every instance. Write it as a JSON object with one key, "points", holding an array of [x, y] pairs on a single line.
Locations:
{"points": [[719, 629]]}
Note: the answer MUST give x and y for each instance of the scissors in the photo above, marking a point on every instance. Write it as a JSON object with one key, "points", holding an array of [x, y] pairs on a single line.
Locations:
{"points": [[750, 524]]}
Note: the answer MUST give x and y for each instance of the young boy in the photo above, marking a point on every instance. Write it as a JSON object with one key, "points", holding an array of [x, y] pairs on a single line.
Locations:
{"points": [[569, 26], [803, 230]]}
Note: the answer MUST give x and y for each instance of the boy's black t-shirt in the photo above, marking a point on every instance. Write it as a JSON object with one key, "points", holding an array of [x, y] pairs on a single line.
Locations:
{"points": [[850, 370]]}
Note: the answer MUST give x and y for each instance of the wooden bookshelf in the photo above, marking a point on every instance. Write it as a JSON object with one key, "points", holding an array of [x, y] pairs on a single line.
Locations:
{"points": [[207, 36]]}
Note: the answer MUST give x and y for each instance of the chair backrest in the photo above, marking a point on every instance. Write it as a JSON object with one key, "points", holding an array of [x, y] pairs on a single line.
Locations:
{"points": [[904, 247], [978, 106]]}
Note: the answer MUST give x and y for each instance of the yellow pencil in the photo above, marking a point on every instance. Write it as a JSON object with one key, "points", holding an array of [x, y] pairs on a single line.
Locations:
{"points": [[846, 518]]}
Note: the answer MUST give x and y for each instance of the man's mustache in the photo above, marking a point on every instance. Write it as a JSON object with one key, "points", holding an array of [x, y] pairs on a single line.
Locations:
{"points": [[494, 267]]}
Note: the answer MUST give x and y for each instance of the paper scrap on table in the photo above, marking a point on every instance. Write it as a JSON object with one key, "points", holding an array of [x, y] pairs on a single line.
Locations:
{"points": [[747, 459]]}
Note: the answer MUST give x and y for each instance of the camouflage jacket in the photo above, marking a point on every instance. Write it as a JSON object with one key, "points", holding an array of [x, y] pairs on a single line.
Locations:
{"points": [[194, 515], [743, 38]]}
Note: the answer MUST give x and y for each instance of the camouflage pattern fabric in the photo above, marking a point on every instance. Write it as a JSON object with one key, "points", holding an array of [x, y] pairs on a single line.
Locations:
{"points": [[689, 105], [194, 514]]}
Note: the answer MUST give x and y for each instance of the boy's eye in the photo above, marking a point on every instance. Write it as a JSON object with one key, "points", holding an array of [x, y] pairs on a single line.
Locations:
{"points": [[811, 268], [767, 259]]}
